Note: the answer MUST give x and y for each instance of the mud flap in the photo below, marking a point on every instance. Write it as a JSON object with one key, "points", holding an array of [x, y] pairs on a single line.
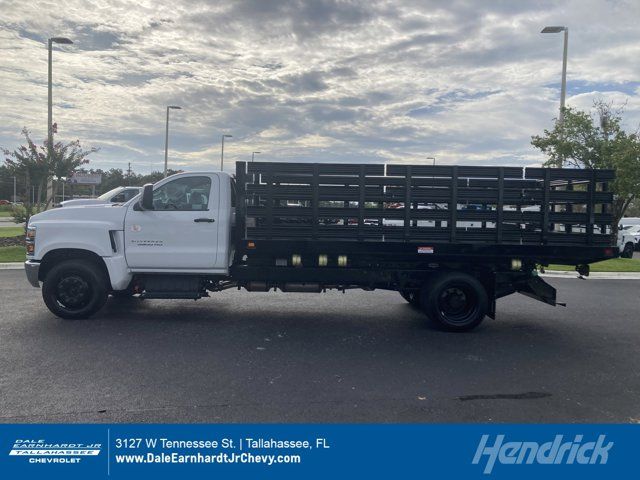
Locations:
{"points": [[492, 308], [537, 288]]}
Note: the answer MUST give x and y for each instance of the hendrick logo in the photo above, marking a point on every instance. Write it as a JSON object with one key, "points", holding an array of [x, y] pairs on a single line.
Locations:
{"points": [[550, 453]]}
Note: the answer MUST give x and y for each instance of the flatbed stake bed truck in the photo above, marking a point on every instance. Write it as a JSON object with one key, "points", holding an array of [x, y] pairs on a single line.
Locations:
{"points": [[450, 239]]}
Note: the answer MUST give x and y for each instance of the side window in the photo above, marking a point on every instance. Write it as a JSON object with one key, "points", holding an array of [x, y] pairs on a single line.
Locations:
{"points": [[124, 196], [129, 194], [187, 193]]}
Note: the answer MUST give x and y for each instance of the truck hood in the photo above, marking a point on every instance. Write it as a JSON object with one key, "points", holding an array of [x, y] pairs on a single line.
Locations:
{"points": [[83, 201], [110, 214]]}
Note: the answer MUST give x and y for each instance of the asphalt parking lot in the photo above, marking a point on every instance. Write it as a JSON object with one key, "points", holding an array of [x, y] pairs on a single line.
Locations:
{"points": [[354, 357]]}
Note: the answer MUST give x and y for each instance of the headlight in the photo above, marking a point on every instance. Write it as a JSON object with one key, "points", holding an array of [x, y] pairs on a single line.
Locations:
{"points": [[30, 240], [31, 234]]}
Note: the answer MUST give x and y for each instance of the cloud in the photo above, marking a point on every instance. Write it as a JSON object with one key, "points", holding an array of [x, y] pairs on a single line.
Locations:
{"points": [[324, 80]]}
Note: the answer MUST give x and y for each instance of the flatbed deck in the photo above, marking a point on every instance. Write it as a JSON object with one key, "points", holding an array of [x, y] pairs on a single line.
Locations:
{"points": [[426, 213]]}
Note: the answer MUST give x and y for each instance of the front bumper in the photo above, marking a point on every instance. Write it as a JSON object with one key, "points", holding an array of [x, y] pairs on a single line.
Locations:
{"points": [[31, 268]]}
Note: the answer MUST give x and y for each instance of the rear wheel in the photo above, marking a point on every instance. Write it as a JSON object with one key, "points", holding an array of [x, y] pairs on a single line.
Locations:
{"points": [[75, 289], [454, 301], [411, 296]]}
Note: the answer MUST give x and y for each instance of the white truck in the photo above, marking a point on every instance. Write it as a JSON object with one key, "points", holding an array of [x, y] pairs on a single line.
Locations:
{"points": [[302, 228], [628, 240]]}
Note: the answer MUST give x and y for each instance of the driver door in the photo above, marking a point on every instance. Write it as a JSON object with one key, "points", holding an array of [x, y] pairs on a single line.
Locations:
{"points": [[181, 232]]}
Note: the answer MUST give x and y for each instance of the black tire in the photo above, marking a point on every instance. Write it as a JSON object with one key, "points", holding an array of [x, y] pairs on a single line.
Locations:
{"points": [[75, 289], [411, 296], [627, 251], [454, 301]]}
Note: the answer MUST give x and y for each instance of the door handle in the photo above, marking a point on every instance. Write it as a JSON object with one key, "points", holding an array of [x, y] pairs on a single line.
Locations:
{"points": [[208, 220]]}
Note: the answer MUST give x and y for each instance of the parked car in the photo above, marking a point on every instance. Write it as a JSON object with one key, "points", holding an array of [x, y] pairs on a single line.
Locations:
{"points": [[629, 240], [117, 195], [5, 202], [626, 222]]}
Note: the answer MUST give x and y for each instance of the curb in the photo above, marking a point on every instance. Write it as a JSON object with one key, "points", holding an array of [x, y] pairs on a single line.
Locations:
{"points": [[593, 275], [12, 266]]}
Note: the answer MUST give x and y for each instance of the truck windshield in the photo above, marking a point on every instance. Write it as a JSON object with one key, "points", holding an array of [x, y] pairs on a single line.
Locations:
{"points": [[109, 194]]}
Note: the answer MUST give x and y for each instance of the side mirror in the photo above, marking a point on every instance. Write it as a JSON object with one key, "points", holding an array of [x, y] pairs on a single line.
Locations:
{"points": [[147, 197]]}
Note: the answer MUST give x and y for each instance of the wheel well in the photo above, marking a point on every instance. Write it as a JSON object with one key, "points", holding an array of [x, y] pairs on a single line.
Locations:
{"points": [[56, 256]]}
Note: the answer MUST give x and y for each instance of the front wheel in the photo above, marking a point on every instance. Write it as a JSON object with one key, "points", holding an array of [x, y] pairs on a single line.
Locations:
{"points": [[627, 252], [75, 289], [455, 301]]}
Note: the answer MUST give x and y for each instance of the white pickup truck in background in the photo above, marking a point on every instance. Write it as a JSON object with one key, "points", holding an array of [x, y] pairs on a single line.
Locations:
{"points": [[116, 195], [628, 240]]}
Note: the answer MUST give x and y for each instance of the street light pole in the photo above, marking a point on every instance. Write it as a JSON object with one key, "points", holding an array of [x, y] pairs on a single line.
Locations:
{"points": [[50, 42], [434, 160], [50, 103], [166, 138], [563, 88], [222, 152], [253, 155]]}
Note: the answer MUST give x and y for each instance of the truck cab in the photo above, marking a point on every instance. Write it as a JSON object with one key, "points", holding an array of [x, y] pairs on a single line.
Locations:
{"points": [[186, 229]]}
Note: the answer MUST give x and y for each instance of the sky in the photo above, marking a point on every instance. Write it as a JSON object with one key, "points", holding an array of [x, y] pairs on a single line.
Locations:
{"points": [[466, 82]]}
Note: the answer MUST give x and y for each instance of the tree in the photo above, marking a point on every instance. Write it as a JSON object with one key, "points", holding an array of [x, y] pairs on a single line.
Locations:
{"points": [[597, 140], [66, 158], [32, 162], [6, 183], [634, 209]]}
